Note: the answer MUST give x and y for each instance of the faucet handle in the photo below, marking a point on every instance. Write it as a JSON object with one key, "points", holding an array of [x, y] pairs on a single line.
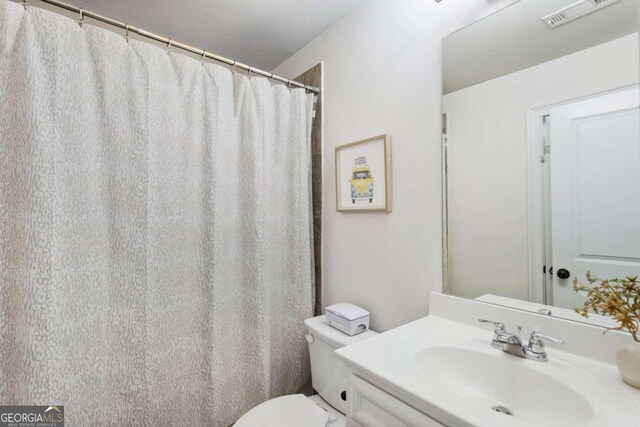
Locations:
{"points": [[499, 325], [536, 342]]}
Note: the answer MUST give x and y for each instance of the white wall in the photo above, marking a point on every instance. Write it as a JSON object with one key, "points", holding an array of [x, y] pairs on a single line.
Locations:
{"points": [[383, 75], [488, 161]]}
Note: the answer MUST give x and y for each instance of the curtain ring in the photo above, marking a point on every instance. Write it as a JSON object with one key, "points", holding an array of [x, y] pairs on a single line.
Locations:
{"points": [[289, 84], [80, 22], [169, 46], [249, 72], [204, 52], [126, 32], [25, 4]]}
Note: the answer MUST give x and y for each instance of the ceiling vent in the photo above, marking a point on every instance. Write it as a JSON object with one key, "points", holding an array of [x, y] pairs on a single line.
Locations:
{"points": [[575, 11]]}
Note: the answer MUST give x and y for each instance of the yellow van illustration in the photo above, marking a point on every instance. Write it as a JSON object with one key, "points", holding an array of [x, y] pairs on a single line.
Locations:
{"points": [[361, 181]]}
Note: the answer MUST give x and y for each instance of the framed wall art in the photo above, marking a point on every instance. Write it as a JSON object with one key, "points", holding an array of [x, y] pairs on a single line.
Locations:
{"points": [[363, 175]]}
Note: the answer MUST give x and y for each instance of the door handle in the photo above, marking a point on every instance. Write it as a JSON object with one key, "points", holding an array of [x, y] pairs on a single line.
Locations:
{"points": [[563, 273]]}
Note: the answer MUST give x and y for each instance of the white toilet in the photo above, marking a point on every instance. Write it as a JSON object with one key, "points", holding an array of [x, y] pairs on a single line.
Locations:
{"points": [[329, 379]]}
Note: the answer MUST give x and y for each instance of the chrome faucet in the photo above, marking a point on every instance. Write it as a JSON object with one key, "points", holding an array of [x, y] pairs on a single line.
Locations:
{"points": [[512, 344]]}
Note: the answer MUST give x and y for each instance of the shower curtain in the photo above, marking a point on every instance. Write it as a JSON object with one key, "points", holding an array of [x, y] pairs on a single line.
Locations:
{"points": [[155, 243]]}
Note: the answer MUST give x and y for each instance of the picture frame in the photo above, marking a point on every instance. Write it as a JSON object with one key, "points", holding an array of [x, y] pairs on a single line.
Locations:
{"points": [[363, 175]]}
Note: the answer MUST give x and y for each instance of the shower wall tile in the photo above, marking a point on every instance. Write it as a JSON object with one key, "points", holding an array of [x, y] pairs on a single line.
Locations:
{"points": [[313, 77], [317, 199], [316, 164]]}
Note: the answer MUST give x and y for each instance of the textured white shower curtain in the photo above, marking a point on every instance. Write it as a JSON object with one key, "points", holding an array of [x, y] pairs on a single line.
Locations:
{"points": [[155, 244]]}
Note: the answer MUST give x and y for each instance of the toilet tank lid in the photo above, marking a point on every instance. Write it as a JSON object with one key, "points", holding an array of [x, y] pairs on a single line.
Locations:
{"points": [[347, 311], [321, 330]]}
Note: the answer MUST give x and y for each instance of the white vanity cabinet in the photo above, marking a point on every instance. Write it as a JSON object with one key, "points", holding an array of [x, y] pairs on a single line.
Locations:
{"points": [[371, 407]]}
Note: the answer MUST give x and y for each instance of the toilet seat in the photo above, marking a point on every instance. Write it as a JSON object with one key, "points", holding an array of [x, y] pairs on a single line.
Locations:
{"points": [[294, 410]]}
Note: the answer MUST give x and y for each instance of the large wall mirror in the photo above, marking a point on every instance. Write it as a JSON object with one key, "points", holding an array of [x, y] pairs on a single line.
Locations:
{"points": [[541, 152]]}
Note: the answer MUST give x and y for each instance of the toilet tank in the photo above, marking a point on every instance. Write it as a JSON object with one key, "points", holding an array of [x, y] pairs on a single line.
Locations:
{"points": [[329, 375]]}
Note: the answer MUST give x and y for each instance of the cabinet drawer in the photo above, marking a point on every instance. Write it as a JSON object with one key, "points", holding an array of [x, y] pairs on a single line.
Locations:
{"points": [[371, 407]]}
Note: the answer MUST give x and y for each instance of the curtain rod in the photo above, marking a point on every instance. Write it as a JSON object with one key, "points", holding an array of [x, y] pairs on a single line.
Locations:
{"points": [[171, 43]]}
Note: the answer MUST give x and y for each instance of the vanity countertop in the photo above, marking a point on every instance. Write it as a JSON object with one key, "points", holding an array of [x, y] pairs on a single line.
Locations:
{"points": [[448, 370]]}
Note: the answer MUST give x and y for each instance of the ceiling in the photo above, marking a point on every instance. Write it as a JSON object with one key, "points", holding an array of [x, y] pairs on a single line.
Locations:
{"points": [[516, 38], [261, 33]]}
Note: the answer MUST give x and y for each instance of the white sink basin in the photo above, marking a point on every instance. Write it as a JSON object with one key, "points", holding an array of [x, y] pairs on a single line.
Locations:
{"points": [[492, 382], [450, 372]]}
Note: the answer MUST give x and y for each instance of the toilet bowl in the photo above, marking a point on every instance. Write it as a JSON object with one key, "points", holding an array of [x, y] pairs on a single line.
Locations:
{"points": [[328, 377], [294, 410]]}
